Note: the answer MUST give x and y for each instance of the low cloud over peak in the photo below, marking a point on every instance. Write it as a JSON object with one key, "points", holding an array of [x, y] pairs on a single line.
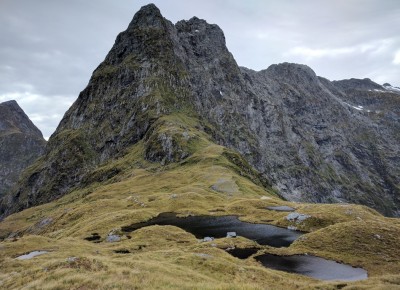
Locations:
{"points": [[50, 48]]}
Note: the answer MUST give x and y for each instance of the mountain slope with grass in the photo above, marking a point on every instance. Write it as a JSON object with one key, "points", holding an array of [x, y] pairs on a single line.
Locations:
{"points": [[21, 143], [75, 230], [170, 124], [304, 134]]}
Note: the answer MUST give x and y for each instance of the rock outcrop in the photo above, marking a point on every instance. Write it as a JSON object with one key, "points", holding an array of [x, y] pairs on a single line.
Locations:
{"points": [[311, 138], [21, 143]]}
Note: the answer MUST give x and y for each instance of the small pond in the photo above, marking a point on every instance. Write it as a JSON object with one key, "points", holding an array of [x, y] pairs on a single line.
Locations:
{"points": [[281, 208], [31, 255], [242, 253], [312, 266], [263, 234], [219, 226]]}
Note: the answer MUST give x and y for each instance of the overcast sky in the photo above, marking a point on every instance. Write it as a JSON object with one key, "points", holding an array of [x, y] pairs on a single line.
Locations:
{"points": [[49, 48]]}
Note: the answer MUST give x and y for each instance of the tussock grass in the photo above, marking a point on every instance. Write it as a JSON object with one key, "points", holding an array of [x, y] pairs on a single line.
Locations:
{"points": [[166, 257]]}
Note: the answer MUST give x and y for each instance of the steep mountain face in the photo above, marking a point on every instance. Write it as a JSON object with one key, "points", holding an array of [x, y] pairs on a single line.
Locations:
{"points": [[21, 143], [319, 145], [307, 136]]}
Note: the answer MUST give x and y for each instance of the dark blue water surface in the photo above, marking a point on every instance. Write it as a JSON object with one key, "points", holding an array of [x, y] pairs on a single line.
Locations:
{"points": [[218, 226]]}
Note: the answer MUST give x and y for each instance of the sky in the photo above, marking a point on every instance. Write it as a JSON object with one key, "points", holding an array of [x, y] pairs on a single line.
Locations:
{"points": [[49, 48]]}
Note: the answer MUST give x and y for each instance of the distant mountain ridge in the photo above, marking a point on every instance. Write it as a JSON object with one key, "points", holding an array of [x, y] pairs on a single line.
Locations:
{"points": [[21, 143], [311, 139]]}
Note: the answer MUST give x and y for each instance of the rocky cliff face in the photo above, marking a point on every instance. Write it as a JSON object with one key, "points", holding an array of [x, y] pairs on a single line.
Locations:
{"points": [[306, 135], [322, 143], [21, 143]]}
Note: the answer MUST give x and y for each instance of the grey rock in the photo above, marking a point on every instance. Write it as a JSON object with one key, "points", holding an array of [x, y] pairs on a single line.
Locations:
{"points": [[113, 238], [364, 84], [71, 259], [377, 236], [231, 234], [21, 143], [297, 217], [208, 239]]}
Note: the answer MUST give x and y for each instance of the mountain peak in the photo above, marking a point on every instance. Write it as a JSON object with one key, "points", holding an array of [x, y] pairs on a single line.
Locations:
{"points": [[161, 85], [149, 15], [151, 7], [201, 36], [12, 117], [358, 84], [291, 68], [197, 25], [12, 105], [21, 142], [293, 72]]}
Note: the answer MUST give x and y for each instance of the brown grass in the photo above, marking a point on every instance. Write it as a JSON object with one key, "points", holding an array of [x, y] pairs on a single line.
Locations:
{"points": [[169, 258]]}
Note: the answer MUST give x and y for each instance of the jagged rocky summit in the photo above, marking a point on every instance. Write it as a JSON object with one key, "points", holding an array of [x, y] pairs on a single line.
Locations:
{"points": [[312, 139], [21, 143]]}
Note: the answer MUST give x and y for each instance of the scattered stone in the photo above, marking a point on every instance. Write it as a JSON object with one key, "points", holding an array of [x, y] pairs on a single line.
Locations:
{"points": [[136, 200], [292, 228], [231, 234], [377, 236], [208, 239], [213, 245], [71, 259], [173, 196], [186, 135], [297, 217], [113, 238]]}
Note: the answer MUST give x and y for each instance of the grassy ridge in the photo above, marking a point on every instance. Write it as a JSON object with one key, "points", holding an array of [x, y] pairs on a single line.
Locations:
{"points": [[212, 180]]}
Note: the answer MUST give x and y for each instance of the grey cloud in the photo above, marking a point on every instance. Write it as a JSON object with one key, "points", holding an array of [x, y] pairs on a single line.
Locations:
{"points": [[50, 47]]}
